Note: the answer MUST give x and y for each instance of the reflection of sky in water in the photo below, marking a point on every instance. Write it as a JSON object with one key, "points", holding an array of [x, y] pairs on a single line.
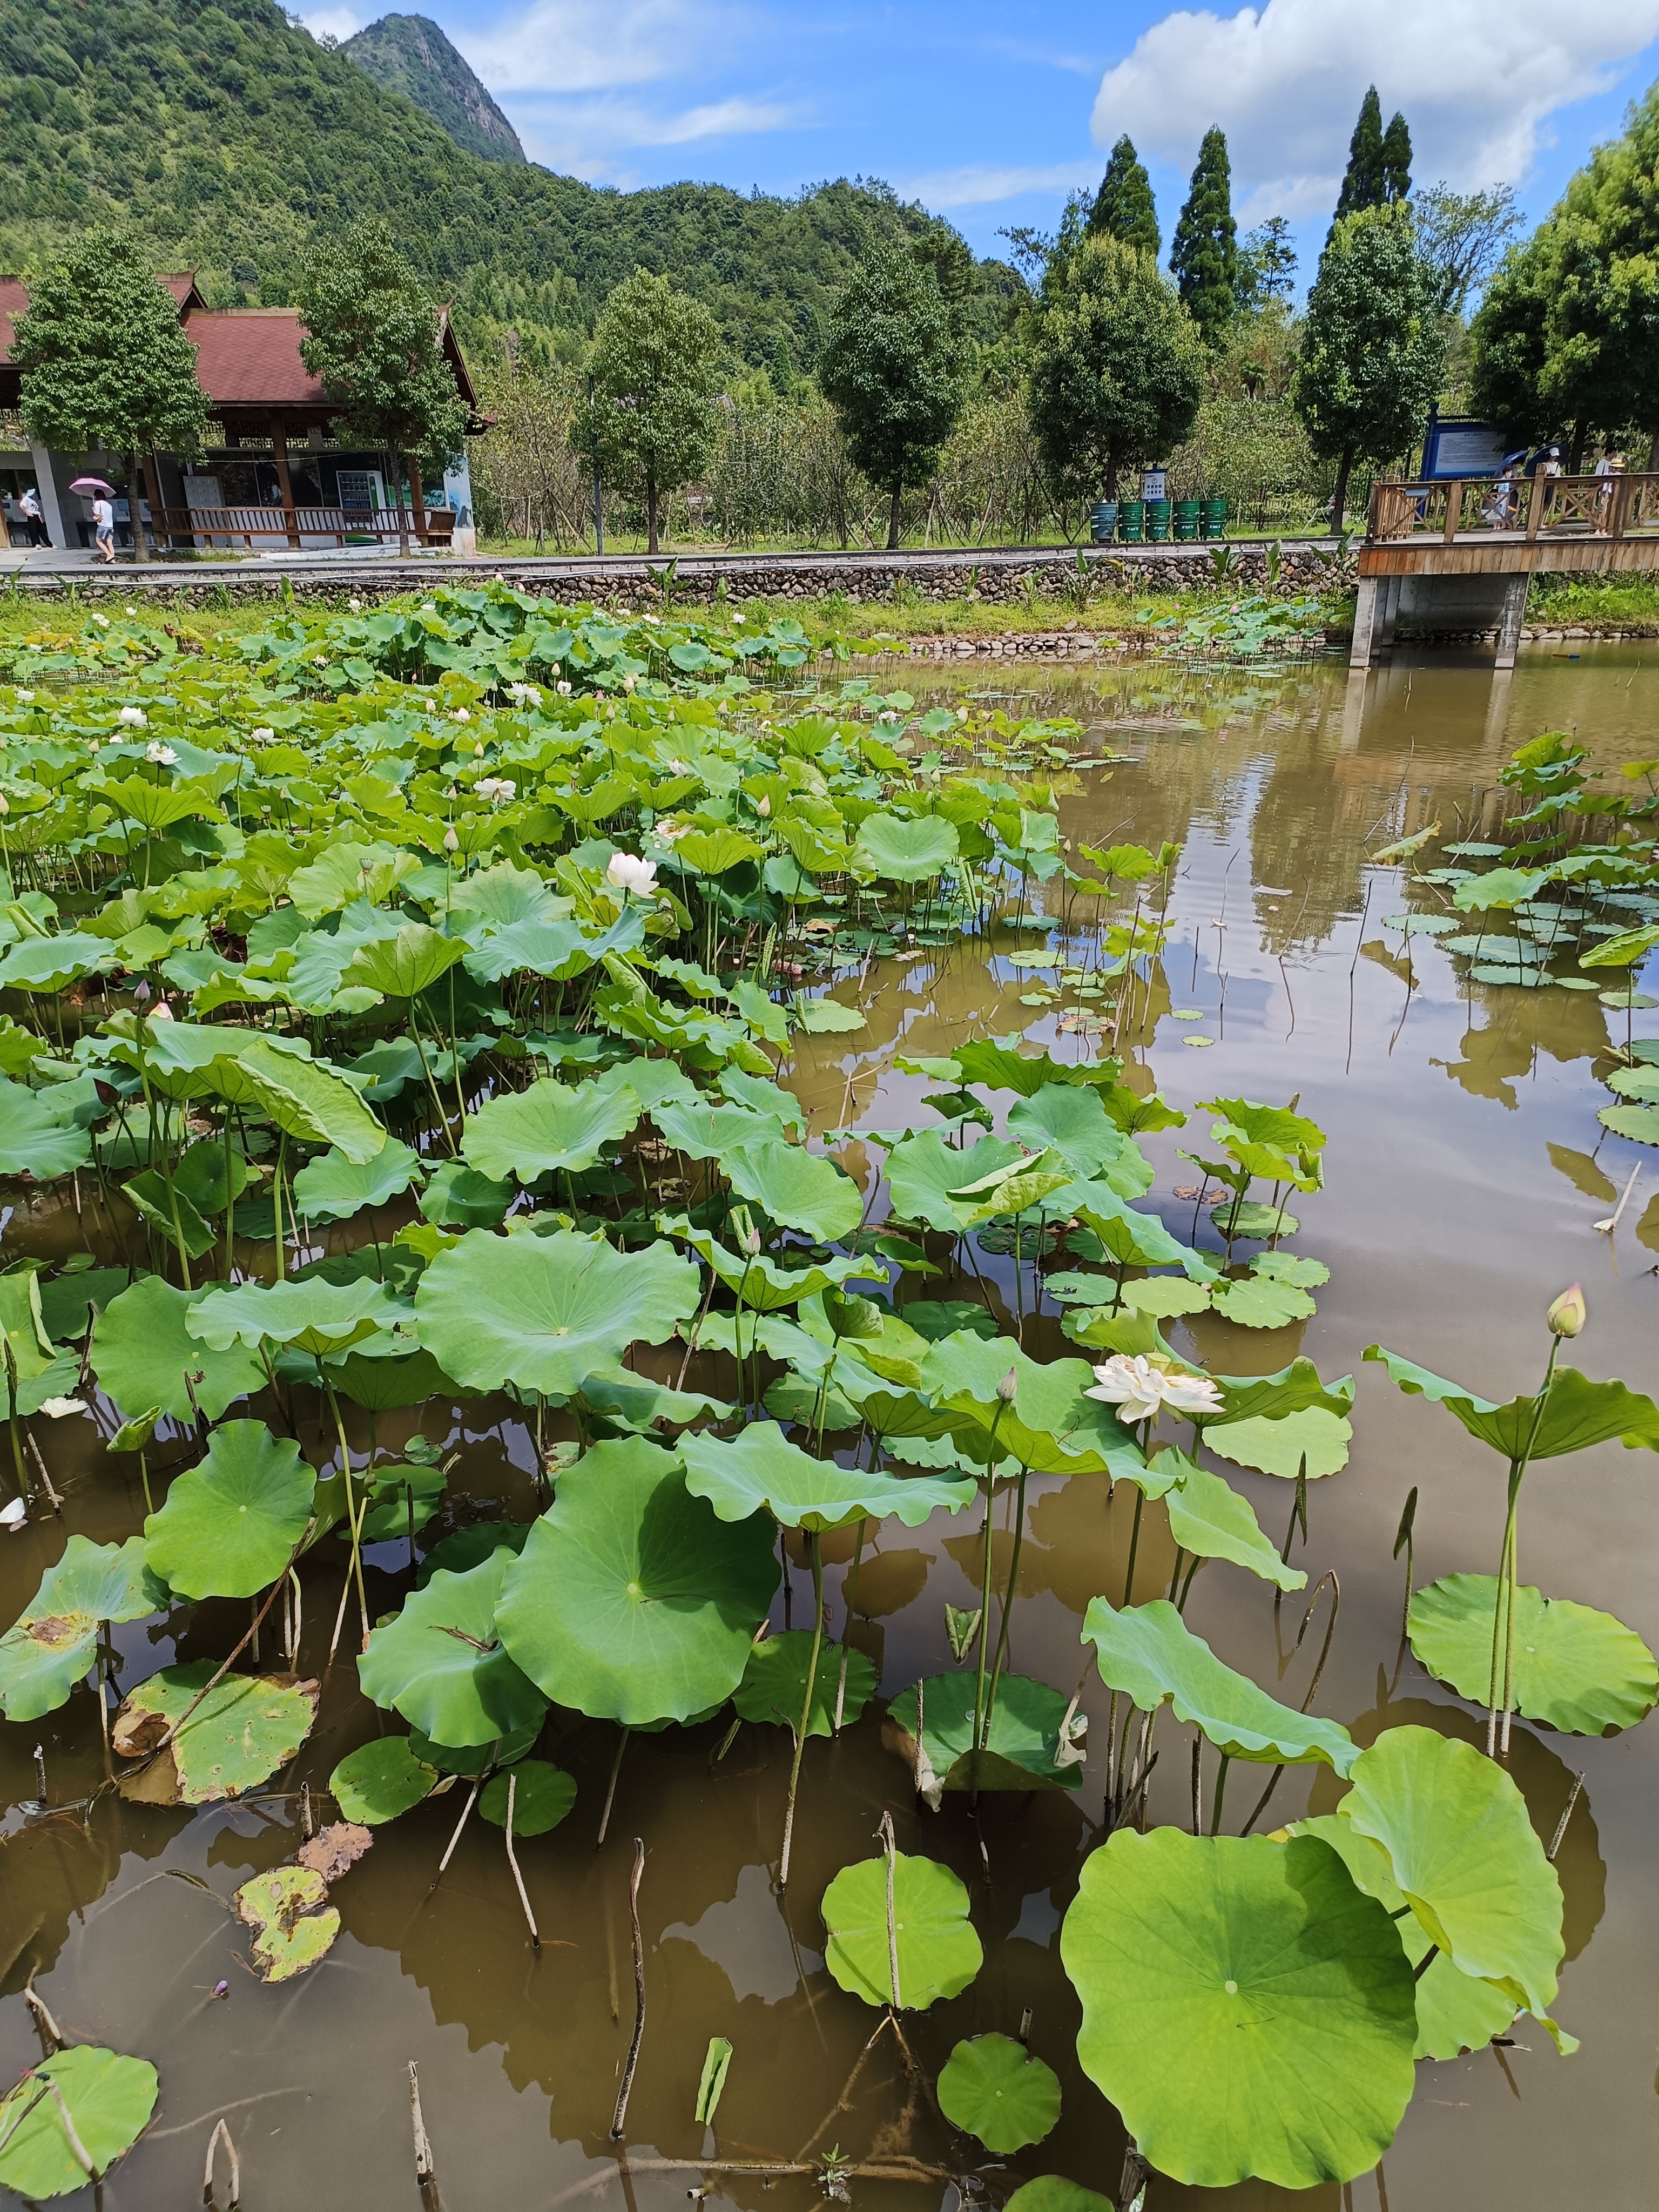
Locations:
{"points": [[746, 1939], [1039, 1916]]}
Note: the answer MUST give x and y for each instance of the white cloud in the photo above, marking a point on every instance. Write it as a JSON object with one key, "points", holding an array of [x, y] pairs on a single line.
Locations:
{"points": [[589, 138], [582, 45], [332, 22], [1477, 81], [983, 184]]}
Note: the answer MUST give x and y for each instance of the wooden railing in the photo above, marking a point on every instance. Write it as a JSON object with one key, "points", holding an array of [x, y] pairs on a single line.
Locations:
{"points": [[271, 526], [1459, 509]]}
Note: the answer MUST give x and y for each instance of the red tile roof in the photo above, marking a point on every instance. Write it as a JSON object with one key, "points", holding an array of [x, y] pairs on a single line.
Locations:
{"points": [[15, 299]]}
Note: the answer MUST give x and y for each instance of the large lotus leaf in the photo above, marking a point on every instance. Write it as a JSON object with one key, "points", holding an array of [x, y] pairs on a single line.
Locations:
{"points": [[45, 1653], [544, 1312], [1293, 1389], [289, 1931], [1577, 1412], [1246, 2009], [761, 1470], [302, 1099], [313, 1316], [142, 1352], [66, 1301], [904, 850], [341, 874], [559, 949], [441, 1664], [1035, 1740], [998, 2091], [798, 1188], [242, 1731], [109, 2099], [631, 1600], [635, 1401], [1210, 1520], [457, 1196], [385, 1386], [1049, 2192], [403, 966], [1135, 1239], [33, 1141], [774, 1684], [1575, 1668], [938, 1953], [551, 1126], [196, 1060], [924, 1173], [52, 964], [706, 1128], [230, 1525], [1149, 1651], [1051, 1426], [1465, 1856], [380, 1779], [334, 1188], [1313, 1443], [1454, 2012], [1259, 1302], [764, 1286], [543, 1795], [1072, 1122], [170, 1212]]}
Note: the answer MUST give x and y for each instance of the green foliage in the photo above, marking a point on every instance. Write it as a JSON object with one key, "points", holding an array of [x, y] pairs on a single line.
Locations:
{"points": [[1379, 161], [1204, 253], [997, 2090], [108, 2100], [1124, 208], [889, 368], [49, 1649], [441, 1663], [938, 1953], [649, 423], [230, 1525], [409, 54], [237, 1734]]}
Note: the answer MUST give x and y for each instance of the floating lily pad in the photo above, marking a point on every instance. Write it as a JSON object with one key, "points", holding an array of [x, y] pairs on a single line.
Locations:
{"points": [[938, 1953], [1258, 1301], [242, 1731], [109, 2099], [1248, 2010], [46, 1653], [1639, 1123], [142, 1352], [1036, 1739], [545, 1795], [379, 1780], [229, 1527], [994, 2089], [774, 1684], [441, 1663], [290, 1932], [1575, 1669], [1049, 2192], [1253, 1219]]}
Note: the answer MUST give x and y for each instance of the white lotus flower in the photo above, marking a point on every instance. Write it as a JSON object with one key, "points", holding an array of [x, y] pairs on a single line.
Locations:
{"points": [[132, 718], [452, 842], [1139, 1389], [525, 694], [626, 873], [462, 714], [497, 789], [355, 605], [13, 1516], [657, 620], [764, 807], [564, 690], [262, 736], [56, 1408], [163, 756], [628, 683], [102, 621], [28, 697], [669, 831]]}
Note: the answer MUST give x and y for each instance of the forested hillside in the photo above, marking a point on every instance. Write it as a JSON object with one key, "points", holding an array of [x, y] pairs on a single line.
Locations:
{"points": [[230, 137], [410, 55]]}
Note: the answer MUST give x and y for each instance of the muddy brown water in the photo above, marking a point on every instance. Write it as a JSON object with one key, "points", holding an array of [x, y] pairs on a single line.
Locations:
{"points": [[1463, 1175]]}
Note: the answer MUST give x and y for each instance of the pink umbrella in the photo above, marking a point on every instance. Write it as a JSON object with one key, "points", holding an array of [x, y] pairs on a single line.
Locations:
{"points": [[91, 483]]}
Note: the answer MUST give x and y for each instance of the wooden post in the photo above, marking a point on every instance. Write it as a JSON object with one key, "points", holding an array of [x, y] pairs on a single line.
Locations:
{"points": [[285, 482], [1454, 509], [417, 498]]}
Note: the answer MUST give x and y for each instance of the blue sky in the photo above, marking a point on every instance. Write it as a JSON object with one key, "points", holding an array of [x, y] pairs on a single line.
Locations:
{"points": [[989, 114]]}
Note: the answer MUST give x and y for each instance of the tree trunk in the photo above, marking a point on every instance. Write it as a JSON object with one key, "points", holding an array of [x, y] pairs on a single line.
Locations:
{"points": [[1111, 474], [651, 545], [396, 460], [417, 498], [153, 481], [1576, 450], [893, 518], [1339, 496], [135, 498], [1653, 452]]}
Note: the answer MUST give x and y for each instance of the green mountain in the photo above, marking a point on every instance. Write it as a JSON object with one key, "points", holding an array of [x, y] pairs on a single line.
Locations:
{"points": [[232, 138], [410, 55]]}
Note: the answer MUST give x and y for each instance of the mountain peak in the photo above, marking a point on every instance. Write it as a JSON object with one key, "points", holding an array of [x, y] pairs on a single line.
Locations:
{"points": [[410, 55]]}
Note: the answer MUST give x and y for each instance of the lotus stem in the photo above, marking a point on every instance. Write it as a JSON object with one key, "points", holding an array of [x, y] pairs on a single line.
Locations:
{"points": [[620, 2115], [815, 1551], [276, 1203], [1497, 1741], [1220, 1792], [512, 1860], [466, 1812], [1134, 1545], [356, 1515], [611, 1793], [886, 1833], [985, 1587], [1007, 1603], [849, 1598], [426, 2175]]}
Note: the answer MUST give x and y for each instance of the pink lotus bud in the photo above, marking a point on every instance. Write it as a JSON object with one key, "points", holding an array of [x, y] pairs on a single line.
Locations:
{"points": [[1569, 1313], [1008, 1388]]}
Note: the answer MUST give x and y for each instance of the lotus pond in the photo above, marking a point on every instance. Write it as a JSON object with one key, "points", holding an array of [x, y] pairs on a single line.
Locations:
{"points": [[807, 1422]]}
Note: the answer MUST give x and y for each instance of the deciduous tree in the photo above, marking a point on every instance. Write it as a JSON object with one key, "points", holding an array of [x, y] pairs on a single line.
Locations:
{"points": [[889, 368], [655, 364]]}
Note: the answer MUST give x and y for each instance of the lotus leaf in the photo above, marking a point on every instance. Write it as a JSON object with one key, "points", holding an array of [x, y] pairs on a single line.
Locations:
{"points": [[1291, 1390], [230, 1526], [1165, 1297], [290, 1933], [23, 1329], [1051, 2193], [1575, 1668], [403, 965], [1465, 1856], [560, 949], [903, 850], [142, 1352], [109, 2099], [764, 1285], [302, 1099], [1149, 1651], [761, 1470], [632, 1601], [635, 1401], [474, 1758], [33, 1141], [170, 1212], [1577, 1413], [543, 1312], [545, 1795], [457, 1196], [45, 1653], [797, 1188], [924, 1174], [1313, 1443], [66, 1302], [1212, 1521], [334, 1188], [551, 1127], [314, 1315], [705, 1129], [938, 1953], [379, 1780], [827, 1016], [1176, 1943], [1250, 1218], [468, 1548], [1035, 1741], [1639, 1123], [1051, 1426], [441, 1664], [245, 1728], [1256, 1302], [999, 2092], [1072, 1122], [52, 964], [774, 1684], [384, 1386]]}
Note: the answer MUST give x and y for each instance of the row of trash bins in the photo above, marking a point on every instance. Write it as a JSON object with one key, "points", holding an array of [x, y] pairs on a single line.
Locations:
{"points": [[1155, 521]]}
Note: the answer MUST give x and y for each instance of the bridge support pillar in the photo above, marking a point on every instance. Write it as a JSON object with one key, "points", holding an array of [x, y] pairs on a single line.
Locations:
{"points": [[1365, 620], [1511, 618]]}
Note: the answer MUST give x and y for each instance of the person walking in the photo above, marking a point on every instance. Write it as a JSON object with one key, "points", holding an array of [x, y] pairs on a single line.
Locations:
{"points": [[103, 528], [33, 520]]}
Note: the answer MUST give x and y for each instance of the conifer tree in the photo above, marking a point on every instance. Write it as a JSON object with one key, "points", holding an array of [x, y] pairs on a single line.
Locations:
{"points": [[1363, 183], [1396, 160], [1204, 257], [1124, 208]]}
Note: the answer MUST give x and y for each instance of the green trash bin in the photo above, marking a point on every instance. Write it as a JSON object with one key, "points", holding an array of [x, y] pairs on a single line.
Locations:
{"points": [[1188, 513], [1215, 518], [1158, 521], [1132, 520], [1102, 521]]}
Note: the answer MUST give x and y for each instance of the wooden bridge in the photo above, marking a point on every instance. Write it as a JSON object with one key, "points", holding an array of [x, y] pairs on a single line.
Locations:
{"points": [[1459, 552]]}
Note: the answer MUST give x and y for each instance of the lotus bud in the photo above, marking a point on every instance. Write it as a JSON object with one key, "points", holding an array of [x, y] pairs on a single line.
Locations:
{"points": [[1008, 1388], [452, 842], [751, 1243], [1569, 1313], [14, 1516]]}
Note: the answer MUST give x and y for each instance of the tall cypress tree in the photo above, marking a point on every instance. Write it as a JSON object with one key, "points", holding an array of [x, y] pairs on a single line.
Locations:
{"points": [[1396, 160], [1204, 257], [1365, 185], [1124, 208]]}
